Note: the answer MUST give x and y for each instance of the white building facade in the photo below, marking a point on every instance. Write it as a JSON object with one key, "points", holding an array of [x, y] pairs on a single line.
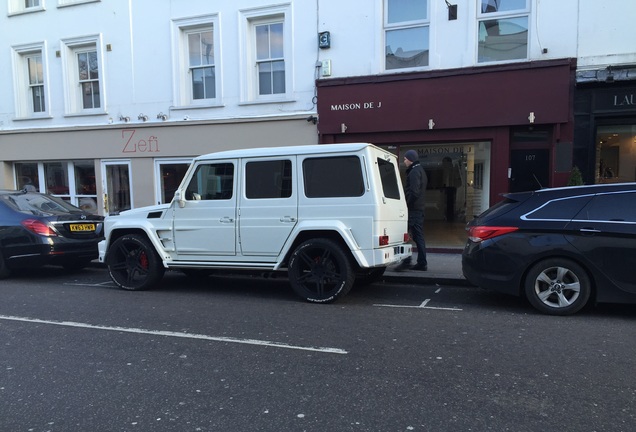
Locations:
{"points": [[484, 90], [105, 103]]}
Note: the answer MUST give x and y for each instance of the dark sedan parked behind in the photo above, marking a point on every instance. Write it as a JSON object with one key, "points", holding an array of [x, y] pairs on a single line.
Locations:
{"points": [[560, 248], [38, 229]]}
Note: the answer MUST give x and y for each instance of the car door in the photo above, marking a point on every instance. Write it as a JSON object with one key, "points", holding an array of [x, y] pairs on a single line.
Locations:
{"points": [[204, 219], [605, 232], [268, 208]]}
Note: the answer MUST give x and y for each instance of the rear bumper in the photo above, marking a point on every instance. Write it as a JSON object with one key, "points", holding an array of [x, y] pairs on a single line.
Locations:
{"points": [[386, 256], [58, 252], [492, 270]]}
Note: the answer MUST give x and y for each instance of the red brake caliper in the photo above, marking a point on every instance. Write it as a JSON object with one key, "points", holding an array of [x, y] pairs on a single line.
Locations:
{"points": [[143, 261]]}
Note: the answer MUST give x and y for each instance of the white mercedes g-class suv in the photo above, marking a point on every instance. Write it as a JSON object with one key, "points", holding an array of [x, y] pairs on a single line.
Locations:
{"points": [[327, 214]]}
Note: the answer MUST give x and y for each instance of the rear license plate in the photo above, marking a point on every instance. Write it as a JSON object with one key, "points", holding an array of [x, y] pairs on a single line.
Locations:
{"points": [[82, 227]]}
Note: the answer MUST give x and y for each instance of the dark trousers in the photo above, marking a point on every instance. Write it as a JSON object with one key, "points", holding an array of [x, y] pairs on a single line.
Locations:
{"points": [[416, 229]]}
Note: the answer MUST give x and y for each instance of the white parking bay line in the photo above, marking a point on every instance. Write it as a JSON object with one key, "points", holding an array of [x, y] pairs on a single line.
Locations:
{"points": [[175, 334], [107, 283], [422, 306]]}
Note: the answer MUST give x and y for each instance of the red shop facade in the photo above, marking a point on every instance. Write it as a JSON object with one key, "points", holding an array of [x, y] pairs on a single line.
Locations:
{"points": [[479, 132]]}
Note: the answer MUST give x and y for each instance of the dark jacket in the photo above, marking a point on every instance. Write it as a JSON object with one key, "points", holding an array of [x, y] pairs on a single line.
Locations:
{"points": [[416, 181]]}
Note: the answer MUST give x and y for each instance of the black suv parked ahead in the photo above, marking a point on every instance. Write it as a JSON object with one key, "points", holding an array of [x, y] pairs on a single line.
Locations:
{"points": [[561, 247]]}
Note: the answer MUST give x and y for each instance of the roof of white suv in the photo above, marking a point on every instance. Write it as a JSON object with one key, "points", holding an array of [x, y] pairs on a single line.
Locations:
{"points": [[284, 151]]}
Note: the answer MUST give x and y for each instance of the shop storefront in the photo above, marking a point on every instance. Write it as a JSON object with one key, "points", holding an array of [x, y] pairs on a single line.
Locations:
{"points": [[605, 144], [110, 169], [480, 132]]}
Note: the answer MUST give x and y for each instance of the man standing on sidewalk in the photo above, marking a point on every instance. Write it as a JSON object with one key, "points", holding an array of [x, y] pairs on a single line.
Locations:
{"points": [[416, 181]]}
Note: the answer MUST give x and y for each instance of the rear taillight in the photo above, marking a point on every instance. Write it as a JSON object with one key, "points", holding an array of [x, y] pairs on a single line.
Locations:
{"points": [[384, 240], [481, 233], [406, 237], [39, 227]]}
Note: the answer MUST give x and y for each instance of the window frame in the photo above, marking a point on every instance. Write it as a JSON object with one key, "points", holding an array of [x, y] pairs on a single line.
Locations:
{"points": [[18, 7], [250, 19], [195, 181], [499, 16], [424, 23], [67, 3], [24, 109], [483, 15], [159, 184], [182, 85], [73, 101], [86, 201], [389, 175]]}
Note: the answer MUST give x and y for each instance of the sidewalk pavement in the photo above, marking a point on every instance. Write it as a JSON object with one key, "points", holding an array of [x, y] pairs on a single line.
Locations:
{"points": [[443, 269]]}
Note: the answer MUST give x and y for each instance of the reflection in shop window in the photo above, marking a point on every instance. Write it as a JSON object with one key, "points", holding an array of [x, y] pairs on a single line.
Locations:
{"points": [[503, 30], [171, 175], [85, 187], [27, 176], [406, 34], [492, 6], [56, 177], [72, 181], [479, 176], [616, 154], [503, 39]]}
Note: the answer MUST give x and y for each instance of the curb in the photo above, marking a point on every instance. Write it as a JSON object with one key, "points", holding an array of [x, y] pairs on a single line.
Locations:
{"points": [[427, 280]]}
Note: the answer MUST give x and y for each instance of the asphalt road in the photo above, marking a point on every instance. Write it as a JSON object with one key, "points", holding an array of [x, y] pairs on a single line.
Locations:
{"points": [[244, 354]]}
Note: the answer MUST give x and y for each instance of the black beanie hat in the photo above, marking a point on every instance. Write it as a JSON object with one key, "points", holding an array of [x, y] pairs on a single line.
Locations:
{"points": [[411, 155]]}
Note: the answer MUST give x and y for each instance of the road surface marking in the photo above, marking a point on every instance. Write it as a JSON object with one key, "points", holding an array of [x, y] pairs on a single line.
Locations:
{"points": [[175, 334], [422, 306], [107, 283]]}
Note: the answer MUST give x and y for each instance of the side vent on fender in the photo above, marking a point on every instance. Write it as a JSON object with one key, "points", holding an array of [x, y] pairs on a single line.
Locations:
{"points": [[155, 215]]}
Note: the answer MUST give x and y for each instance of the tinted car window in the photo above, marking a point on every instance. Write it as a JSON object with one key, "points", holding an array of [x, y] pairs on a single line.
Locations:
{"points": [[268, 179], [559, 209], [212, 182], [499, 209], [333, 177], [611, 207], [34, 203], [388, 177]]}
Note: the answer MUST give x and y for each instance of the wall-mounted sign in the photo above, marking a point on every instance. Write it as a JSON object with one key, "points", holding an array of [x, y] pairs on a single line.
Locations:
{"points": [[324, 40], [352, 106]]}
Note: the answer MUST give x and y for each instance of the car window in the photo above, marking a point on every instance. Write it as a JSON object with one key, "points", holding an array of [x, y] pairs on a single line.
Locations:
{"points": [[611, 207], [268, 179], [35, 203], [212, 182], [333, 177], [502, 207], [388, 176], [559, 209]]}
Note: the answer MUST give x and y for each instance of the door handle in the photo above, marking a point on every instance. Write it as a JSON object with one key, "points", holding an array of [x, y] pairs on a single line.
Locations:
{"points": [[226, 219], [288, 219]]}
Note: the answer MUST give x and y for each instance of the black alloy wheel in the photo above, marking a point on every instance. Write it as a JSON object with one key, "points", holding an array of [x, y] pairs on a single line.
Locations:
{"points": [[320, 271], [133, 263]]}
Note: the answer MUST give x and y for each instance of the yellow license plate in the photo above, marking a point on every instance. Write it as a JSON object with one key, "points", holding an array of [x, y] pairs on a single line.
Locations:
{"points": [[82, 227]]}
